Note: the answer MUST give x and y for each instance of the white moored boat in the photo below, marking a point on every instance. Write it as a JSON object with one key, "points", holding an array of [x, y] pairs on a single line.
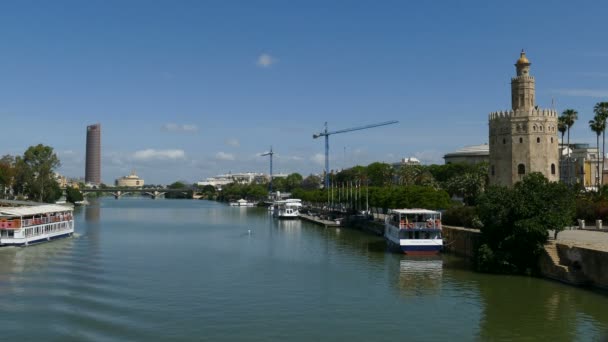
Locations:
{"points": [[242, 203], [286, 209], [414, 231], [24, 225]]}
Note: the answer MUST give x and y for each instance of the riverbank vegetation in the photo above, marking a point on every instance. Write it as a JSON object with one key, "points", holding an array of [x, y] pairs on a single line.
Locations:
{"points": [[31, 175], [516, 223]]}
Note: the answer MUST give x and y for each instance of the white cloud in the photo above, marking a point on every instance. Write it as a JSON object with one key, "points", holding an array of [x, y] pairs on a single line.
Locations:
{"points": [[152, 154], [318, 158], [582, 92], [173, 127], [224, 156], [233, 142], [265, 60]]}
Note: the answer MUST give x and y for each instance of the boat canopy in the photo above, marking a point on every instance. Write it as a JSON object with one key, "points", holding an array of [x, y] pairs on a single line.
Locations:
{"points": [[33, 210], [414, 211]]}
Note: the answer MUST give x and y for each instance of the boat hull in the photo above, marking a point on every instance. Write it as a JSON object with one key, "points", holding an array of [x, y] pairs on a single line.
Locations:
{"points": [[420, 250], [37, 241]]}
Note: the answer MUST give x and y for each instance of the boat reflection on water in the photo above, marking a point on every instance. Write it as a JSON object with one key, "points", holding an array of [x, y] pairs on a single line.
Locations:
{"points": [[288, 225], [420, 275]]}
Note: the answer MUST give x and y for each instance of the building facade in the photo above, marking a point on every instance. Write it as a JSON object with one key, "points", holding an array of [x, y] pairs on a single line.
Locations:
{"points": [[475, 154], [130, 181], [523, 139], [92, 172], [580, 165]]}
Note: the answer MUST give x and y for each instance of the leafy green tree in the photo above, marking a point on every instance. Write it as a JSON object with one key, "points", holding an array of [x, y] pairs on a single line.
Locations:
{"points": [[279, 184], [444, 172], [185, 194], [36, 173], [293, 181], [7, 173], [470, 184], [177, 185], [380, 174], [312, 182], [516, 223], [73, 195]]}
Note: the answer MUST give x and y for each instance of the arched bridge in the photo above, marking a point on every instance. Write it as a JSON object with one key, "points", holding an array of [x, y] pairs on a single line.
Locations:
{"points": [[152, 192]]}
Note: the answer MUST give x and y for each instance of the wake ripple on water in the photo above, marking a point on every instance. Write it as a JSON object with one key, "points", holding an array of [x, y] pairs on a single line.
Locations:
{"points": [[64, 287]]}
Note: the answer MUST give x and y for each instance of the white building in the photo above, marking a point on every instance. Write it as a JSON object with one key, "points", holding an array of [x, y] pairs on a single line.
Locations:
{"points": [[240, 178], [130, 181]]}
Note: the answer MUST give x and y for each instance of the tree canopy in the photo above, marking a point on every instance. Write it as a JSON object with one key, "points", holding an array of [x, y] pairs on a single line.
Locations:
{"points": [[516, 222]]}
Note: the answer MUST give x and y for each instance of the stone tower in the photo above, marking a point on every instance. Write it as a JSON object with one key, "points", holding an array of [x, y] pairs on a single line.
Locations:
{"points": [[523, 139]]}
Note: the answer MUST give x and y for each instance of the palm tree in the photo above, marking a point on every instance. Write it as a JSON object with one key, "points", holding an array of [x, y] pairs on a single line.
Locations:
{"points": [[562, 127], [570, 116], [597, 125], [601, 111]]}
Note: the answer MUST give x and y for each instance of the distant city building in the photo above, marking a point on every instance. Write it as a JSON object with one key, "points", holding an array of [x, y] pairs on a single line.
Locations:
{"points": [[469, 154], [130, 181], [64, 182], [406, 161], [92, 172], [579, 165], [523, 139], [239, 178]]}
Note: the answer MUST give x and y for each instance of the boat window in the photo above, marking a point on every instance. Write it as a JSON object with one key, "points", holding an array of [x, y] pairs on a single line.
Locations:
{"points": [[416, 235], [411, 235]]}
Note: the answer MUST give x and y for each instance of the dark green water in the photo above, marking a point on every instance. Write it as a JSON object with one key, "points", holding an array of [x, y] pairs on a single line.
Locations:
{"points": [[142, 270]]}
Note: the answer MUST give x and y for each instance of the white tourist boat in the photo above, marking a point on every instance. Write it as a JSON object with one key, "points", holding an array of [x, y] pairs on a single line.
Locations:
{"points": [[287, 209], [413, 231], [24, 225], [242, 203]]}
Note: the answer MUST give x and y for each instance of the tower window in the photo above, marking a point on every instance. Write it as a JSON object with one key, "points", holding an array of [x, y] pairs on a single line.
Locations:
{"points": [[521, 169], [504, 141], [538, 140], [521, 140], [534, 128], [492, 170], [552, 169], [540, 128], [552, 140]]}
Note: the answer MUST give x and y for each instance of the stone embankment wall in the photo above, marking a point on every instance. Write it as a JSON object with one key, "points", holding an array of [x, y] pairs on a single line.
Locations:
{"points": [[589, 264], [460, 241]]}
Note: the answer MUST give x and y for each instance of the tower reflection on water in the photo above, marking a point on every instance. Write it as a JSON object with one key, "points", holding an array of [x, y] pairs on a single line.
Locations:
{"points": [[92, 212]]}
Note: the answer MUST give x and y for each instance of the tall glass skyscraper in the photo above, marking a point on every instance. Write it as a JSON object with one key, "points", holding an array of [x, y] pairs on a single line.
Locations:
{"points": [[92, 172]]}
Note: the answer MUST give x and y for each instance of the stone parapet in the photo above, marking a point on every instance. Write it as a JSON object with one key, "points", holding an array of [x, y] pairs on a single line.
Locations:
{"points": [[528, 113]]}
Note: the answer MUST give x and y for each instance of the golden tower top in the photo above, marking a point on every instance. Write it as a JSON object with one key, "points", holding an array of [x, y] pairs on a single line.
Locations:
{"points": [[522, 59]]}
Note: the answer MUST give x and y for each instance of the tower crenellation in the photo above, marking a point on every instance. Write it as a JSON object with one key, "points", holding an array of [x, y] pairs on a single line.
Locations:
{"points": [[524, 138]]}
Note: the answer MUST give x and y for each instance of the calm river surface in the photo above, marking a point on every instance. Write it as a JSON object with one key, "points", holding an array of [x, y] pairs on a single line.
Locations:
{"points": [[141, 269]]}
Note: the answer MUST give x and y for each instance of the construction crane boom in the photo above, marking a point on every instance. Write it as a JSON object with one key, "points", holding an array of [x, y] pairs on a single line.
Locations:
{"points": [[326, 134], [270, 153]]}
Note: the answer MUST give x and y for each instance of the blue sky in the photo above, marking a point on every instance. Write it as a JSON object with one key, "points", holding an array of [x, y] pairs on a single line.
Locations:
{"points": [[190, 89]]}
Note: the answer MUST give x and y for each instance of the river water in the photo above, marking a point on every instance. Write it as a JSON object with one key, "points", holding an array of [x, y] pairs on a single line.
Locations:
{"points": [[181, 270]]}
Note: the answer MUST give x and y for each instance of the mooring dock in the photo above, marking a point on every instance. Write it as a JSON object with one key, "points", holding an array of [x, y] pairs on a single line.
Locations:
{"points": [[320, 221]]}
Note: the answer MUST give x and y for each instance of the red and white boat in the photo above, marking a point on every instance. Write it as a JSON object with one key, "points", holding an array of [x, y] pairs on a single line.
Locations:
{"points": [[414, 231], [28, 224]]}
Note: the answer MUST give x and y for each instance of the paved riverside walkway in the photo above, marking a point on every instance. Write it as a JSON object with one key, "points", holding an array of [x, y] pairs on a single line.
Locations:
{"points": [[593, 239]]}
